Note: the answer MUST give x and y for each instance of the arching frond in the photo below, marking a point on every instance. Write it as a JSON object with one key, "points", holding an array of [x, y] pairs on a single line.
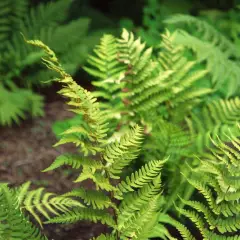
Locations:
{"points": [[217, 179], [215, 119], [120, 154], [13, 223], [40, 203], [215, 48]]}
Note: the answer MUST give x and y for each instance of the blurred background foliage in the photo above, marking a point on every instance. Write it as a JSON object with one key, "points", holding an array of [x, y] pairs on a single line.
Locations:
{"points": [[73, 28]]}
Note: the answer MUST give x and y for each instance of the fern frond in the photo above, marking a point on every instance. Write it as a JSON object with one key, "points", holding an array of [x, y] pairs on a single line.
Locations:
{"points": [[217, 178], [45, 15], [139, 178], [166, 140], [120, 154], [84, 214], [37, 202], [168, 81], [224, 71], [97, 199], [14, 104], [82, 102], [215, 119], [75, 161], [13, 224], [134, 202], [11, 13], [206, 32], [140, 224]]}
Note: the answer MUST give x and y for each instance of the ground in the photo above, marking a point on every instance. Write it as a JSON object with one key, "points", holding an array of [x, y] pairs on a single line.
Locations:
{"points": [[27, 149]]}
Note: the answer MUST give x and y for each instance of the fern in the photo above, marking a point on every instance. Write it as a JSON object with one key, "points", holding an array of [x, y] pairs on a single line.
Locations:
{"points": [[213, 47], [14, 104], [215, 119], [46, 22], [37, 202], [217, 180], [13, 223], [137, 202], [11, 13]]}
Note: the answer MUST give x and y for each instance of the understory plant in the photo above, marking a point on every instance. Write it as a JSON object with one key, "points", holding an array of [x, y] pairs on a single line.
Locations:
{"points": [[21, 74], [149, 145]]}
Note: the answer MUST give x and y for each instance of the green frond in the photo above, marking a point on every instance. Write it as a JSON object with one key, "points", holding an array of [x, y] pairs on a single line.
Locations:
{"points": [[134, 202], [73, 160], [82, 102], [217, 179], [78, 214], [224, 71], [13, 224], [11, 13], [169, 80], [167, 140], [16, 103], [206, 32], [139, 193], [106, 69], [139, 178], [215, 119], [45, 16], [104, 65], [139, 226], [120, 154], [166, 219], [39, 203], [94, 198]]}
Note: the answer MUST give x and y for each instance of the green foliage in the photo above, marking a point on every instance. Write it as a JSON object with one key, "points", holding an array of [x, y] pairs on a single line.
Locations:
{"points": [[213, 47], [138, 210], [153, 112], [217, 179], [37, 202], [14, 104], [215, 119], [14, 224], [19, 67]]}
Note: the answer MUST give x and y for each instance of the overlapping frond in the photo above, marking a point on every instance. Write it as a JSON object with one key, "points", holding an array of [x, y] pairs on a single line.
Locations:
{"points": [[96, 199], [11, 13], [78, 214], [168, 81], [217, 179], [91, 136], [120, 154], [16, 103], [139, 178], [13, 223], [206, 32], [139, 194], [216, 118], [43, 204], [214, 48], [75, 161], [166, 140]]}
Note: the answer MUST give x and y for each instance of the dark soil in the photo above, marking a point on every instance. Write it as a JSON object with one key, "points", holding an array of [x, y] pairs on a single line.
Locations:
{"points": [[27, 149]]}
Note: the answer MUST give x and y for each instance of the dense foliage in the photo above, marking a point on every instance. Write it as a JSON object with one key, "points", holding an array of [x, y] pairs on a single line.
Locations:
{"points": [[158, 136]]}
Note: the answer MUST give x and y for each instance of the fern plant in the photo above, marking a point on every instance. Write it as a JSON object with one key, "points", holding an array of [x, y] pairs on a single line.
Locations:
{"points": [[19, 67], [127, 204], [221, 54], [13, 223], [216, 179]]}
